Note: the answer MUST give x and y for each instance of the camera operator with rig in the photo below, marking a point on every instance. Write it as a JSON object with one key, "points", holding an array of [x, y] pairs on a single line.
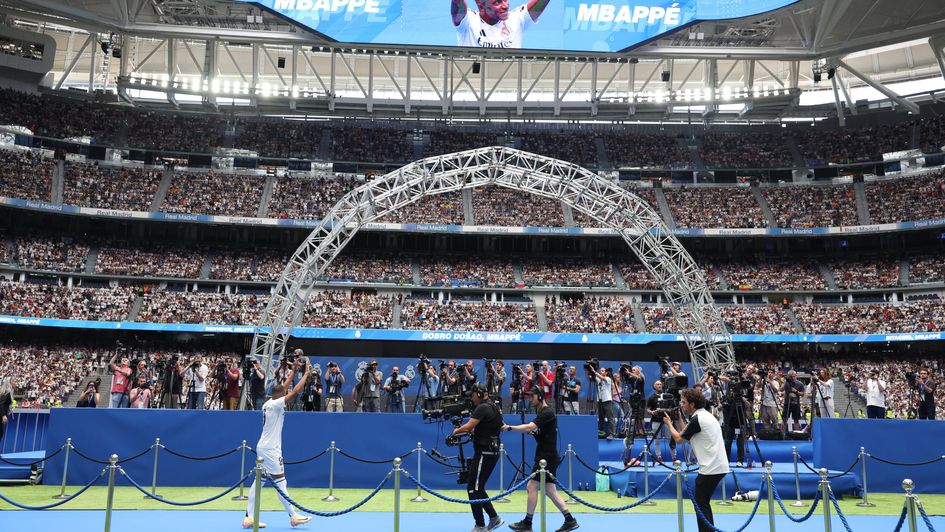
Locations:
{"points": [[515, 389], [635, 390], [394, 386], [334, 381], [196, 375], [449, 379], [467, 377], [484, 425], [545, 380], [429, 385], [737, 397]]}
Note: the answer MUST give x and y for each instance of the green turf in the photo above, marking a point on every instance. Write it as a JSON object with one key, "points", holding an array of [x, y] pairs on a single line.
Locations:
{"points": [[131, 499]]}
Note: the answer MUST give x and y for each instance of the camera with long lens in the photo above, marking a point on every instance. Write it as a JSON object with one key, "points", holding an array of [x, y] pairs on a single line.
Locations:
{"points": [[561, 370], [451, 406], [248, 367], [667, 404], [517, 371], [490, 365], [591, 367]]}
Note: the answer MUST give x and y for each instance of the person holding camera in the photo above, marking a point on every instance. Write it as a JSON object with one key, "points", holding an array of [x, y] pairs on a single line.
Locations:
{"points": [[570, 392], [312, 393], [394, 386], [90, 398], [121, 382], [545, 430], [660, 428], [822, 385], [925, 386], [545, 381], [334, 381], [704, 434], [495, 378], [737, 398], [484, 425], [429, 384], [231, 390], [605, 402], [770, 390], [257, 385], [6, 403], [467, 377], [141, 394], [449, 379], [793, 393], [370, 392], [196, 376], [875, 390]]}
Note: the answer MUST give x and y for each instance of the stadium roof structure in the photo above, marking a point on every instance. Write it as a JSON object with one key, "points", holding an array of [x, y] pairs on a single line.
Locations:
{"points": [[217, 52]]}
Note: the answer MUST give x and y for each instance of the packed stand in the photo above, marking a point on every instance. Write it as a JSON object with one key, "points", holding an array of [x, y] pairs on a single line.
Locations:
{"points": [[812, 206], [470, 271], [931, 133], [214, 194], [60, 118], [149, 260], [757, 319], [876, 272], [184, 132], [105, 187], [927, 269], [733, 207], [850, 145], [745, 150], [578, 147], [455, 316], [372, 145], [912, 317], [900, 394], [44, 376], [636, 277], [567, 272], [52, 301], [337, 309], [773, 275], [446, 208], [454, 140], [369, 269], [660, 320], [645, 150], [507, 207], [280, 138], [907, 199], [589, 315], [209, 308], [301, 198], [258, 265], [50, 253], [24, 175]]}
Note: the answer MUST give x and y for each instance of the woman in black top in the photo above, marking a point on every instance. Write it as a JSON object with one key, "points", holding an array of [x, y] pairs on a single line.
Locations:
{"points": [[545, 429]]}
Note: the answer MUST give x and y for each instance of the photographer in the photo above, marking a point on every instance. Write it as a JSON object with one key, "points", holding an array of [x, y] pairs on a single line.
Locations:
{"points": [[90, 397], [545, 380], [394, 386], [371, 388], [528, 382], [515, 389], [449, 379], [636, 393], [484, 424], [312, 393], [334, 381], [737, 398], [926, 388], [875, 391], [705, 435], [141, 368], [822, 385], [793, 393], [616, 391], [196, 375], [467, 377], [605, 403], [545, 429], [285, 368], [121, 382], [257, 386], [141, 394], [428, 387], [495, 378], [769, 400], [570, 392], [231, 390], [660, 429]]}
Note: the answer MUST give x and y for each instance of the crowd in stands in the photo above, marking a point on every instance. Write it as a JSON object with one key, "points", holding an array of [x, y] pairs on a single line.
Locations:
{"points": [[212, 308], [50, 253], [572, 146], [369, 269], [849, 145], [446, 208], [876, 272], [745, 150], [741, 319], [375, 144], [337, 309], [645, 150], [106, 187], [907, 199], [257, 265], [280, 138], [188, 132], [305, 198], [900, 395], [45, 375], [589, 315], [715, 207], [495, 205], [456, 316], [931, 132], [927, 268], [567, 272], [149, 260], [76, 303], [210, 193], [468, 271], [911, 317], [636, 277], [454, 140], [773, 275], [59, 118], [24, 175], [812, 206]]}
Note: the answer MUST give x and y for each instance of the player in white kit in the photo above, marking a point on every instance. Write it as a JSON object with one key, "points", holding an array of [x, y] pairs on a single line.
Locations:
{"points": [[495, 25], [269, 447]]}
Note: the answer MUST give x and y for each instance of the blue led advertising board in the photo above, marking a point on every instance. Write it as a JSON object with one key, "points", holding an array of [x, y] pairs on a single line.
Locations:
{"points": [[555, 25]]}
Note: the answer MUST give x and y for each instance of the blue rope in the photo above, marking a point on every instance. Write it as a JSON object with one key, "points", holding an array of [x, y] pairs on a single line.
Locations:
{"points": [[705, 520], [329, 514], [902, 519], [925, 517], [58, 503], [619, 508], [836, 505], [464, 501], [173, 503], [813, 508]]}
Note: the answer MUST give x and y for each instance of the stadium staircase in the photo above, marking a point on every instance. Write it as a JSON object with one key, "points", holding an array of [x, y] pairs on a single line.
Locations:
{"points": [[324, 146], [91, 259], [206, 266], [395, 319], [603, 162], [796, 156], [723, 282], [517, 270], [842, 397], [862, 204], [618, 277], [417, 277], [58, 182], [915, 142], [541, 314], [796, 322], [638, 320], [263, 209], [135, 308], [828, 276], [904, 272], [568, 215], [469, 217], [665, 211], [765, 208], [161, 193], [102, 390], [692, 148]]}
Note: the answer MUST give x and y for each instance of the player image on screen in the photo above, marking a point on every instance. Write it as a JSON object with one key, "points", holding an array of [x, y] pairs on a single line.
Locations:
{"points": [[495, 25]]}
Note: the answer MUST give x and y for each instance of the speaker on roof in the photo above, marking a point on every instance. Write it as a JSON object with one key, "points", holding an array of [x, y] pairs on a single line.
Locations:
{"points": [[280, 62], [476, 67]]}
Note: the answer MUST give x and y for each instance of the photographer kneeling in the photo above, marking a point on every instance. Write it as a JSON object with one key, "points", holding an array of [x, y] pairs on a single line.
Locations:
{"points": [[545, 429], [705, 435], [484, 425]]}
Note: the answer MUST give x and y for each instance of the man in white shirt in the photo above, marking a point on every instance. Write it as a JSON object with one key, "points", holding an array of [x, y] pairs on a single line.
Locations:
{"points": [[875, 391], [196, 378], [494, 26], [269, 447], [704, 433], [770, 389], [605, 403]]}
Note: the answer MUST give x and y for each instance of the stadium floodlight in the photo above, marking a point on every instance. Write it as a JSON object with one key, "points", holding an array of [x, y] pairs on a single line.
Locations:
{"points": [[266, 88], [226, 86], [756, 93], [726, 93], [765, 92], [165, 79], [295, 91], [215, 86]]}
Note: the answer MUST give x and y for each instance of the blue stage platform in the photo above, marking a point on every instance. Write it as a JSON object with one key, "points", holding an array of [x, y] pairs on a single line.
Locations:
{"points": [[776, 451], [18, 473]]}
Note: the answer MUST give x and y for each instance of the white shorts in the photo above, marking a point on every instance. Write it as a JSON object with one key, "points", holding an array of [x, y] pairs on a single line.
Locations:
{"points": [[272, 461]]}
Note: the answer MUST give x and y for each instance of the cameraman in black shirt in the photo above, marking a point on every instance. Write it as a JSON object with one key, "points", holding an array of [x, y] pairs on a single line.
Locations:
{"points": [[926, 388], [545, 429], [484, 424]]}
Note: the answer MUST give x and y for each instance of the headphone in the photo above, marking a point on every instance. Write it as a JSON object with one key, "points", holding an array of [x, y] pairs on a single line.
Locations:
{"points": [[479, 389]]}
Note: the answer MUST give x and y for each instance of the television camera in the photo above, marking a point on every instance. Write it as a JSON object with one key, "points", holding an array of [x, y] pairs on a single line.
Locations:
{"points": [[453, 408]]}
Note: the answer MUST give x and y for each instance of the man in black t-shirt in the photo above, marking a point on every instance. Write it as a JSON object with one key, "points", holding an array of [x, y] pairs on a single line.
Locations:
{"points": [[545, 429], [570, 391], [484, 424], [926, 389]]}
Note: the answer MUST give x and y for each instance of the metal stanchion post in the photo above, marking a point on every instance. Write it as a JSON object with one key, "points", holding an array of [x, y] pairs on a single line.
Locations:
{"points": [[866, 492], [257, 492], [331, 474], [65, 472], [502, 472], [419, 497], [542, 476], [110, 496], [825, 498], [679, 495], [570, 452], [396, 494], [646, 475], [768, 483], [243, 448], [157, 448], [724, 501], [797, 481], [908, 485]]}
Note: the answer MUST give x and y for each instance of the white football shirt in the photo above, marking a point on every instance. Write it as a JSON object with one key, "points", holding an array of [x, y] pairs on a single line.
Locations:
{"points": [[474, 33], [273, 417]]}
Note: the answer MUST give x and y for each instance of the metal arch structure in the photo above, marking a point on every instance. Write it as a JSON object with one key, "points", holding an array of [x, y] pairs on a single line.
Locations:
{"points": [[662, 254]]}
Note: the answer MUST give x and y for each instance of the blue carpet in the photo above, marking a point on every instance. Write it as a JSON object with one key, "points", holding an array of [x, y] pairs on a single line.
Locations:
{"points": [[220, 521], [776, 451]]}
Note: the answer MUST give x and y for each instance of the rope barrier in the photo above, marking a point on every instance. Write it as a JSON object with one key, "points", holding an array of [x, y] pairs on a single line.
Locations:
{"points": [[330, 514], [618, 508], [438, 461], [316, 457], [925, 517], [829, 477], [836, 506], [101, 462], [907, 464], [789, 515], [31, 464], [598, 471], [57, 503], [363, 461], [902, 519], [174, 503], [200, 458], [705, 520], [464, 501], [515, 466]]}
